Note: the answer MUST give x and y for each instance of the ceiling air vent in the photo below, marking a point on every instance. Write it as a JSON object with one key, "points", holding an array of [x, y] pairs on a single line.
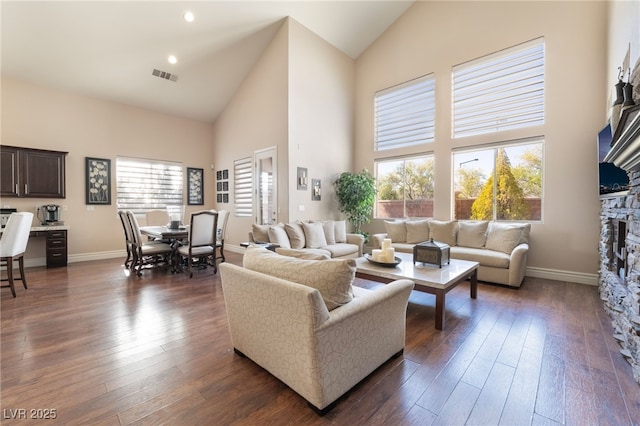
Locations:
{"points": [[165, 75]]}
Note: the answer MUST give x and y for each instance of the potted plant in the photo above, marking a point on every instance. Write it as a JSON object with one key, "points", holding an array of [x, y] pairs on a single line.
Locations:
{"points": [[356, 194]]}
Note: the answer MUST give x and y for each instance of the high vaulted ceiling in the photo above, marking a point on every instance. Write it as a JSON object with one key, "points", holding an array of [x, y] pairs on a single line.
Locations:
{"points": [[109, 49]]}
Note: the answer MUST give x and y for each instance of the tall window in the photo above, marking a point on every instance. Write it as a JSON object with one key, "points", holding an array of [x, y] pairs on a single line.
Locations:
{"points": [[404, 114], [501, 91], [405, 187], [242, 192], [499, 183], [148, 184]]}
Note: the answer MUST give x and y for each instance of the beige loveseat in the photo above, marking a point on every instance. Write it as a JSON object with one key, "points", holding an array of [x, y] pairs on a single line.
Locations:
{"points": [[500, 248], [303, 321], [328, 237]]}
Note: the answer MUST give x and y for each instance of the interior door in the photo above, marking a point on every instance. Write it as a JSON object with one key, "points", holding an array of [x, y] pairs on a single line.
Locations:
{"points": [[266, 186]]}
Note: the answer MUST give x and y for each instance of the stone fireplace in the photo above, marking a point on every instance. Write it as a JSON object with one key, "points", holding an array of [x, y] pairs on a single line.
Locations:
{"points": [[619, 279]]}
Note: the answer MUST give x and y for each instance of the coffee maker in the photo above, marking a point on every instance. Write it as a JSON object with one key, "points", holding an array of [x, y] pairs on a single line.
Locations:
{"points": [[49, 214]]}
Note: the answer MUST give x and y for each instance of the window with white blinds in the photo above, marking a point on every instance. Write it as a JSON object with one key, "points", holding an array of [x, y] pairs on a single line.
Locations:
{"points": [[404, 114], [148, 184], [501, 91], [242, 187]]}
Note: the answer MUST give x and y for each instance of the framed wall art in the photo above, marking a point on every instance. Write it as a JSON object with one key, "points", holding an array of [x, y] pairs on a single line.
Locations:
{"points": [[195, 183], [98, 177], [315, 190]]}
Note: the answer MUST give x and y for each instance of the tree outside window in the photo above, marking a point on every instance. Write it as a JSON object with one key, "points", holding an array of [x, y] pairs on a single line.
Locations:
{"points": [[501, 183], [405, 188]]}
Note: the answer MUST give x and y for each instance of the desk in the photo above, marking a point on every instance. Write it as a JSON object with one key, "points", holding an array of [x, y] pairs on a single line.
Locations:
{"points": [[164, 233], [56, 244]]}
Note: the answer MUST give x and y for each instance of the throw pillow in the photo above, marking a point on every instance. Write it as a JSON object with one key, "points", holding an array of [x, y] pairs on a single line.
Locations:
{"points": [[341, 231], [472, 234], [443, 231], [329, 228], [314, 235], [260, 233], [296, 235], [396, 230], [277, 235], [302, 254], [504, 237], [417, 231], [332, 278]]}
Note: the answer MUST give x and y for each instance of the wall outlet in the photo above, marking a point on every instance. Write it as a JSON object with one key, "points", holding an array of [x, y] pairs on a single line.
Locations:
{"points": [[301, 208]]}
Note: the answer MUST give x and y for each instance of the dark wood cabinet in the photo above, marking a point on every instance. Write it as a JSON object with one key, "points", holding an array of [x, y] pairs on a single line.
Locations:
{"points": [[35, 173], [56, 248]]}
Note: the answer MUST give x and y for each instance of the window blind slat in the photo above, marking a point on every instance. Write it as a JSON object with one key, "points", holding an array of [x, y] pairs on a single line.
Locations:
{"points": [[500, 91], [148, 184], [242, 187], [404, 115]]}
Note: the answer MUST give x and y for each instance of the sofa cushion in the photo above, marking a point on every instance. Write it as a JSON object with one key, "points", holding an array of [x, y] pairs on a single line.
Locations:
{"points": [[443, 231], [472, 234], [309, 254], [340, 231], [329, 228], [314, 234], [341, 249], [396, 230], [296, 235], [417, 231], [505, 237], [260, 233], [278, 235], [332, 278], [493, 259]]}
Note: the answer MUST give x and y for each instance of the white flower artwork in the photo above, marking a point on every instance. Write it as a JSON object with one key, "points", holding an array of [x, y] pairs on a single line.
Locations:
{"points": [[98, 181]]}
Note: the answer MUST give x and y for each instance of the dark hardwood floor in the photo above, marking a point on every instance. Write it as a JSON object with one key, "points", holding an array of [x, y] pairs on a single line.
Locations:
{"points": [[102, 348]]}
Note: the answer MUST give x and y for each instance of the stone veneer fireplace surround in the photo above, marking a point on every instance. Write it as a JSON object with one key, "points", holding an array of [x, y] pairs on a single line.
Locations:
{"points": [[619, 278]]}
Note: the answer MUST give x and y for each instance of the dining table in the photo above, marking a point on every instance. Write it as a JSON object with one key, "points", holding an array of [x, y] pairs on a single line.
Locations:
{"points": [[165, 233]]}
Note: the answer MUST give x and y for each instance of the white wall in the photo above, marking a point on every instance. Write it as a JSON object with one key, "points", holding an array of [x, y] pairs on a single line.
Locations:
{"points": [[431, 37], [255, 119], [39, 117], [321, 100]]}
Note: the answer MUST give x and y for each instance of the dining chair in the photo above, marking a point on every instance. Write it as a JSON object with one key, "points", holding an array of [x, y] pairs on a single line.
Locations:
{"points": [[223, 216], [157, 217], [128, 237], [146, 252], [13, 244], [202, 240]]}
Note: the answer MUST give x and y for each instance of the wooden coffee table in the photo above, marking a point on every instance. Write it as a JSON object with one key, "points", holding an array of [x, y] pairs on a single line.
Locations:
{"points": [[428, 278]]}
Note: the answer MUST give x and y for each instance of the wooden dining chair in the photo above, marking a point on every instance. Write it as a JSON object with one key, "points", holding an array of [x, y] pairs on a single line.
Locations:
{"points": [[128, 237], [223, 217], [146, 252], [13, 244], [202, 240]]}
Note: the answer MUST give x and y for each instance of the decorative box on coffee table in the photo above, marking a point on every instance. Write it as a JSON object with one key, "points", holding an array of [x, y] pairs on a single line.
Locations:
{"points": [[433, 252]]}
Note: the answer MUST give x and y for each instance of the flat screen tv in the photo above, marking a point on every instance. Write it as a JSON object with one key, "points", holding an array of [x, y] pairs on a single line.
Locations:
{"points": [[612, 178]]}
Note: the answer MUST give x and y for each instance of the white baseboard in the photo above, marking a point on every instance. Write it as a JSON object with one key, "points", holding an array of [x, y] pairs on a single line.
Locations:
{"points": [[558, 275]]}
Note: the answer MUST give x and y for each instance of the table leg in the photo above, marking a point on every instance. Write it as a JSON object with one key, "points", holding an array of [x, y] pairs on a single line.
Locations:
{"points": [[440, 299], [474, 284]]}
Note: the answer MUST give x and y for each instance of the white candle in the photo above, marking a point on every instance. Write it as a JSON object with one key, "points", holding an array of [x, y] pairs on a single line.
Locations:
{"points": [[386, 243], [375, 254], [390, 254]]}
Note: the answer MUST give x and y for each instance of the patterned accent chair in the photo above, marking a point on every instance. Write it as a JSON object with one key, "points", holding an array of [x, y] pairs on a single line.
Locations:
{"points": [[304, 322]]}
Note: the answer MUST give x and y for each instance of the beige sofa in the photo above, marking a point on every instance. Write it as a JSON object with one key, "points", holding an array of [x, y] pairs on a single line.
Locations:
{"points": [[329, 238], [500, 248], [303, 321]]}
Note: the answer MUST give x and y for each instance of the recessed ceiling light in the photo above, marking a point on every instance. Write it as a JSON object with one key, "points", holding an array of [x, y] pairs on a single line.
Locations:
{"points": [[172, 59], [188, 16]]}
